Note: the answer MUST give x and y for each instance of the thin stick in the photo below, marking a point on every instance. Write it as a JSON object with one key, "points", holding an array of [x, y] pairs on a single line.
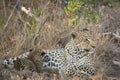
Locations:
{"points": [[116, 63], [28, 12], [43, 18], [5, 14], [11, 14], [110, 33]]}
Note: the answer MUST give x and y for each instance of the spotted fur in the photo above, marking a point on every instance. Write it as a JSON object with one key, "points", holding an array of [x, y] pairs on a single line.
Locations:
{"points": [[9, 63], [74, 59]]}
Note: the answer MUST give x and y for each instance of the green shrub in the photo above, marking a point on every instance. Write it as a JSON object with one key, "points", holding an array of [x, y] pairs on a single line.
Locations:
{"points": [[85, 8]]}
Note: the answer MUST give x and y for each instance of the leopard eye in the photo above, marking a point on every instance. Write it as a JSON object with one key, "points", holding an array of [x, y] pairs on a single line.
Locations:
{"points": [[7, 59], [87, 50], [8, 62], [13, 58], [14, 61]]}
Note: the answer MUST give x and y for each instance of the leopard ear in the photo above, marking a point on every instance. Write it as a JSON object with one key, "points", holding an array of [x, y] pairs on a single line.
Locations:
{"points": [[74, 35], [31, 49], [85, 29], [43, 53]]}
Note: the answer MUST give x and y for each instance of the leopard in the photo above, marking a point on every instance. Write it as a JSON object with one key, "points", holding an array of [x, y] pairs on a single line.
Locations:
{"points": [[76, 58], [9, 62], [32, 62]]}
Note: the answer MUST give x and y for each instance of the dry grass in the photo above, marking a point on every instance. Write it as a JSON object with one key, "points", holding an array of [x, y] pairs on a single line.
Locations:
{"points": [[19, 36]]}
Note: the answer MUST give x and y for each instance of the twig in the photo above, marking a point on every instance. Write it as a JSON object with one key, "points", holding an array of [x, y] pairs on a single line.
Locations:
{"points": [[107, 33], [11, 14], [110, 33], [28, 12], [116, 63], [38, 22], [4, 8], [117, 36]]}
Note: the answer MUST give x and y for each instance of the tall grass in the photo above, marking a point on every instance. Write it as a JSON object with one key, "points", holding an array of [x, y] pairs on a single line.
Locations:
{"points": [[24, 32]]}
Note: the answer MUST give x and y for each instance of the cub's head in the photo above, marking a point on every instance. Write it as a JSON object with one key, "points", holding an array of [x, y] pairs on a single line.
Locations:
{"points": [[9, 63]]}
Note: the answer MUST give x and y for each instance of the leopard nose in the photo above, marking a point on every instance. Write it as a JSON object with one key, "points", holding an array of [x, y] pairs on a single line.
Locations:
{"points": [[8, 62]]}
